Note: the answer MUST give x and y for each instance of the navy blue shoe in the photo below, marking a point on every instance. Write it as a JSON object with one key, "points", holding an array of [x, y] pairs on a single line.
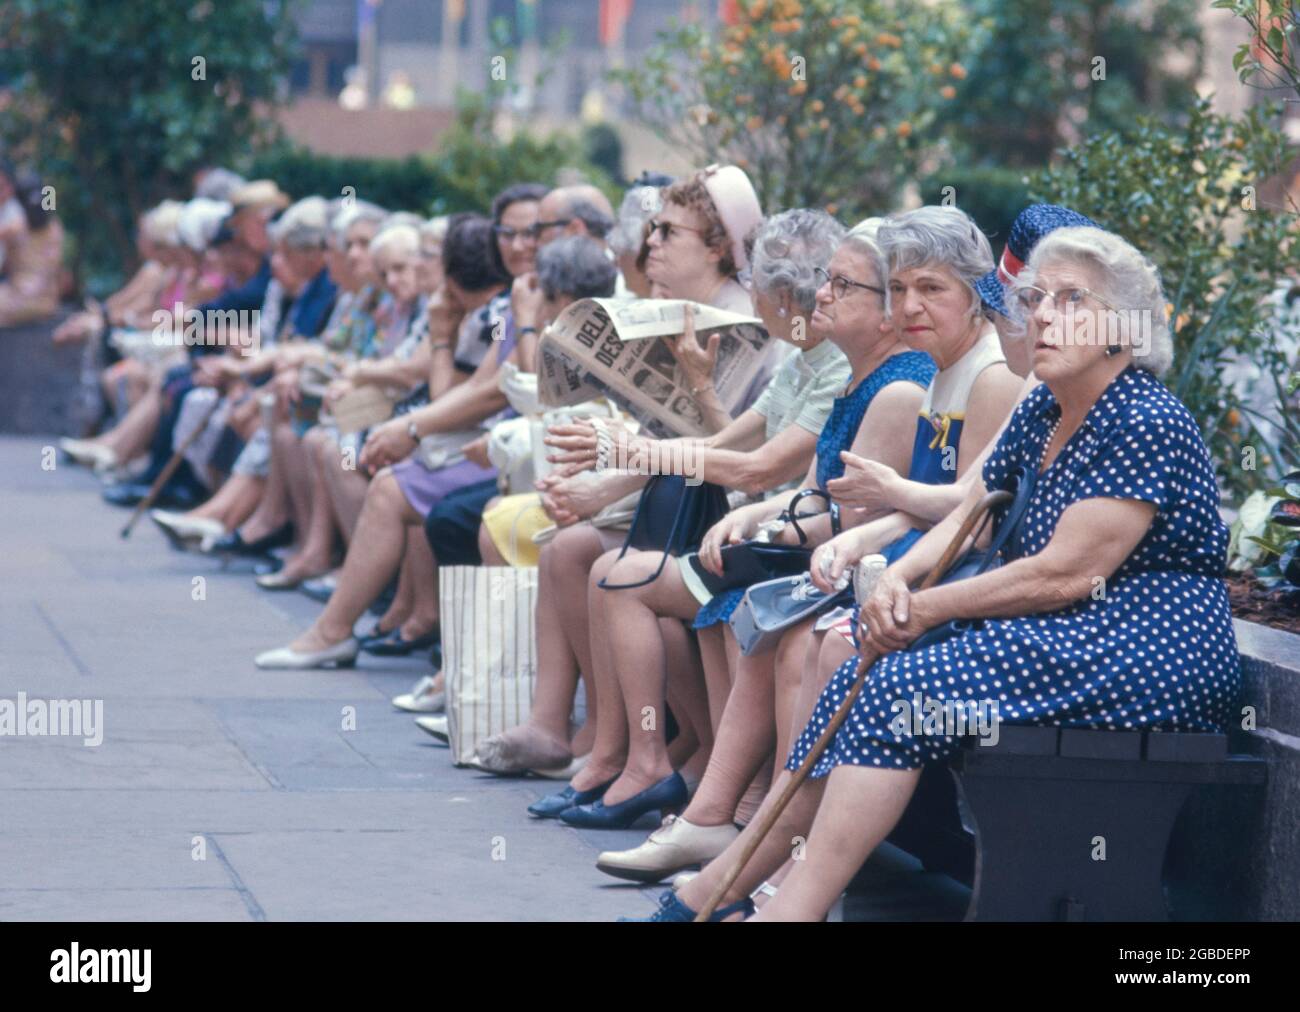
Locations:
{"points": [[552, 805], [668, 796], [392, 644], [674, 911]]}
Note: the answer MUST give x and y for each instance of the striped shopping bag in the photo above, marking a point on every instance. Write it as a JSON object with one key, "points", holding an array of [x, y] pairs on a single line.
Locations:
{"points": [[489, 651]]}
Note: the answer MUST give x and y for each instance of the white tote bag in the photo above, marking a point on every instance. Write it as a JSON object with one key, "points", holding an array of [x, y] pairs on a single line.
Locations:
{"points": [[489, 652]]}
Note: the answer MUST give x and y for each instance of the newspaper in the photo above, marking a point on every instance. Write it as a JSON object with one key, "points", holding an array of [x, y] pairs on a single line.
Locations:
{"points": [[613, 348]]}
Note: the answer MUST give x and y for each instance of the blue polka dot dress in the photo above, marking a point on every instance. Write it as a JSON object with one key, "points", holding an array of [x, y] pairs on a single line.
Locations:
{"points": [[837, 434], [1151, 648]]}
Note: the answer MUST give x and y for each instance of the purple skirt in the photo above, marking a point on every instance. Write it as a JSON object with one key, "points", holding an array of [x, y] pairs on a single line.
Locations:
{"points": [[424, 489]]}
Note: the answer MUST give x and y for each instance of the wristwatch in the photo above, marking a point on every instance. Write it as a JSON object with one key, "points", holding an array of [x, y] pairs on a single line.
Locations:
{"points": [[413, 432]]}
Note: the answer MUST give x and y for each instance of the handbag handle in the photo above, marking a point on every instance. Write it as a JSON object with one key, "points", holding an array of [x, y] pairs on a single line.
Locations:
{"points": [[604, 583], [981, 514], [832, 507]]}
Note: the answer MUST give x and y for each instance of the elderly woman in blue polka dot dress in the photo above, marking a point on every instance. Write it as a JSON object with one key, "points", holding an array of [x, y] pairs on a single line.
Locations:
{"points": [[1109, 612]]}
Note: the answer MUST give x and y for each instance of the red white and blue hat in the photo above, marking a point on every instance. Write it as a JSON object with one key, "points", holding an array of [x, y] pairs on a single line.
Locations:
{"points": [[1030, 226]]}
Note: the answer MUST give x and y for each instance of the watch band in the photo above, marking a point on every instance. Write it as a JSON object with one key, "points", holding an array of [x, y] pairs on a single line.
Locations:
{"points": [[413, 432]]}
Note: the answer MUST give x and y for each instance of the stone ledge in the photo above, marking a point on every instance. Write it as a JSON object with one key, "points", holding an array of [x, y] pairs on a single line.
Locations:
{"points": [[40, 384], [1235, 853]]}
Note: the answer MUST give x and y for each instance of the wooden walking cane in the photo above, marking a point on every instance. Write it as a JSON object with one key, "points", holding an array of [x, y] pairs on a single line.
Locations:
{"points": [[868, 657], [171, 467]]}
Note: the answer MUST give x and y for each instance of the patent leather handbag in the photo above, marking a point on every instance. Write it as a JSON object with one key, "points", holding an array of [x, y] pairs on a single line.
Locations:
{"points": [[752, 561], [671, 517]]}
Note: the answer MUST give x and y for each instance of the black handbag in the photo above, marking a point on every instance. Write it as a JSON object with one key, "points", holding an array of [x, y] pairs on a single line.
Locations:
{"points": [[671, 517], [1020, 486], [752, 562]]}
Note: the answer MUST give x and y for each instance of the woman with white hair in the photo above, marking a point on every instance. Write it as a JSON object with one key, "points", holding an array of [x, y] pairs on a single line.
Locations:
{"points": [[1124, 494]]}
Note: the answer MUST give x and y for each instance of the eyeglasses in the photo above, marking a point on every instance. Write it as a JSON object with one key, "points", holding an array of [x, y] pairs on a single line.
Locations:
{"points": [[667, 228], [1029, 297], [532, 233], [840, 285]]}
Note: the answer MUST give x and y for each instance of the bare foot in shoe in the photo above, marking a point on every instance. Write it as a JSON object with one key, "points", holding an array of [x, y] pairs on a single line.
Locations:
{"points": [[524, 747], [313, 641], [299, 568]]}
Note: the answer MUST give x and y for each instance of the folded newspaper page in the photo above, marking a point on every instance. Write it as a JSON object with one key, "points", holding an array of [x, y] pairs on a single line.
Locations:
{"points": [[614, 348]]}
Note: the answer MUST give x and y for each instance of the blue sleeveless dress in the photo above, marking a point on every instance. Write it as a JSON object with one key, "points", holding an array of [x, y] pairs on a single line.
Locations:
{"points": [[837, 434]]}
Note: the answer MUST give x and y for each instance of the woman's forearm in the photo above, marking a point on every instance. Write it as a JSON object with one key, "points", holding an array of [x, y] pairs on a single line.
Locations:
{"points": [[461, 407], [929, 502], [1026, 586], [716, 417]]}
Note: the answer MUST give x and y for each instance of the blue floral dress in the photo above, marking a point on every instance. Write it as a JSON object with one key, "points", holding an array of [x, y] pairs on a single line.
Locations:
{"points": [[1154, 649], [837, 434]]}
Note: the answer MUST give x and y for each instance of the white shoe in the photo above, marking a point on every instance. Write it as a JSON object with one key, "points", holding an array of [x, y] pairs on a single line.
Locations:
{"points": [[675, 845], [89, 453], [423, 698], [436, 726], [681, 878], [187, 527], [341, 655]]}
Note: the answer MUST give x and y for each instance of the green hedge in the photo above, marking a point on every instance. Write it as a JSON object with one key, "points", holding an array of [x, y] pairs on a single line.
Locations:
{"points": [[992, 195]]}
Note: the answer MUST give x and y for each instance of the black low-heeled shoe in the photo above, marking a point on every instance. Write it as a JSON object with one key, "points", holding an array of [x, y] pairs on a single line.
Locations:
{"points": [[234, 543], [392, 644]]}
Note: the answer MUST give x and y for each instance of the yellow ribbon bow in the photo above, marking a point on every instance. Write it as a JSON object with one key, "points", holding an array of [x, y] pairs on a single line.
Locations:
{"points": [[941, 423]]}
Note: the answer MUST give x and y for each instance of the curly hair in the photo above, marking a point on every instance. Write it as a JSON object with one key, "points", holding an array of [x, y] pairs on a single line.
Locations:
{"points": [[694, 196]]}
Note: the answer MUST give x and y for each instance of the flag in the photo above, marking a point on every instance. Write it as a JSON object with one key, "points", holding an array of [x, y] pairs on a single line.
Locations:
{"points": [[729, 12], [613, 19]]}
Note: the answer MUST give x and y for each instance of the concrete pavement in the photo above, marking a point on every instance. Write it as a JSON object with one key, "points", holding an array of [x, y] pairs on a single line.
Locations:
{"points": [[221, 792]]}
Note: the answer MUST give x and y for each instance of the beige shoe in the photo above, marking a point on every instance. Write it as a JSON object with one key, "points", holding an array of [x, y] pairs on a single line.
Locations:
{"points": [[89, 454], [674, 846]]}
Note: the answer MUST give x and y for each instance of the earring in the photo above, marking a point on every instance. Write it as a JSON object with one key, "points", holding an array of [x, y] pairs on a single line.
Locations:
{"points": [[1114, 349], [780, 311]]}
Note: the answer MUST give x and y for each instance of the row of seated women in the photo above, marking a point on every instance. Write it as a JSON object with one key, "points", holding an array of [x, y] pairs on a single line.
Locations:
{"points": [[904, 373]]}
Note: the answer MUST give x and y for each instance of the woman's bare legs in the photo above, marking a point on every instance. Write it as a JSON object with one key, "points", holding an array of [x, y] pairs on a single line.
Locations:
{"points": [[717, 671], [372, 559], [420, 571], [609, 748], [317, 551], [347, 489], [563, 650], [640, 665], [289, 454], [795, 822], [860, 806], [232, 503], [132, 435]]}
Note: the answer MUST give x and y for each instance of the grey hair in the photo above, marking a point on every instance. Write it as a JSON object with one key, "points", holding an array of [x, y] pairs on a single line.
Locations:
{"points": [[159, 224], [345, 217], [1125, 278], [865, 239], [640, 204], [435, 229], [219, 184], [401, 238], [304, 224], [576, 266], [786, 251], [596, 221], [938, 235]]}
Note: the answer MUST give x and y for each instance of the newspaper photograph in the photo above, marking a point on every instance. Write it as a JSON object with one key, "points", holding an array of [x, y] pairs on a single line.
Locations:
{"points": [[614, 348]]}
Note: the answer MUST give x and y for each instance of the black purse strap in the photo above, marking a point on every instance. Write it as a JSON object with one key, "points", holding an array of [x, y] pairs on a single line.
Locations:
{"points": [[604, 583], [1023, 479], [832, 507]]}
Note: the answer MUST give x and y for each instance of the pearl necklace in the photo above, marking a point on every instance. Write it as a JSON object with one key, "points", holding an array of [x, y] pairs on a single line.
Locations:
{"points": [[1051, 434]]}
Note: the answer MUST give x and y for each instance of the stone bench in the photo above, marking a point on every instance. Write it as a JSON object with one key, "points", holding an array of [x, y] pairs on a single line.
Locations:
{"points": [[1224, 844]]}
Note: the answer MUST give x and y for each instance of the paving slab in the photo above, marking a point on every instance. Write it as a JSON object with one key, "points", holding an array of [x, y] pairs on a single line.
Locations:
{"points": [[294, 815]]}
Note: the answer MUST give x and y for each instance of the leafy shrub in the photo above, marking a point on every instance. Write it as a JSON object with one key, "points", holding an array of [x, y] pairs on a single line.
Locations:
{"points": [[1189, 198], [825, 103]]}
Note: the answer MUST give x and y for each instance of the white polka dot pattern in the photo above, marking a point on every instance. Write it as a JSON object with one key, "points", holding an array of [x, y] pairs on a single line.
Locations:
{"points": [[1157, 652]]}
